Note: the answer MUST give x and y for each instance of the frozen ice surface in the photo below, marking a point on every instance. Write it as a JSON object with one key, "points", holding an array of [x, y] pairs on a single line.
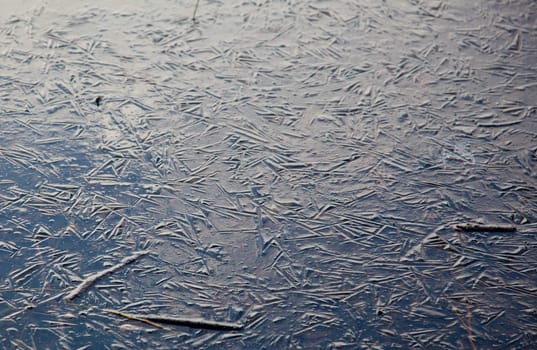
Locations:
{"points": [[293, 166]]}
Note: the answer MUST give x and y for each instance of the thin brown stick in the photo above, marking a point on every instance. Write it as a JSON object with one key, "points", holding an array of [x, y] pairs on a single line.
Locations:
{"points": [[484, 228], [467, 326]]}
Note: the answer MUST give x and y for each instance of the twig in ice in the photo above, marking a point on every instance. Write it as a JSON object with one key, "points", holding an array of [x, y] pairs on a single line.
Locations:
{"points": [[484, 228]]}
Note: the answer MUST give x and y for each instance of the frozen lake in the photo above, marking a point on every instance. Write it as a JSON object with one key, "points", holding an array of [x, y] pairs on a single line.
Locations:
{"points": [[293, 169]]}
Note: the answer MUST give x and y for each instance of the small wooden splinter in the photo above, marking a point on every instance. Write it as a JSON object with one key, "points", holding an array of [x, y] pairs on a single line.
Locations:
{"points": [[179, 321], [91, 279], [484, 228]]}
